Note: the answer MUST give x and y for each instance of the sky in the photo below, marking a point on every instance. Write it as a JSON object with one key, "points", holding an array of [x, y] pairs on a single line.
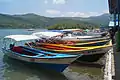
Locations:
{"points": [[55, 8]]}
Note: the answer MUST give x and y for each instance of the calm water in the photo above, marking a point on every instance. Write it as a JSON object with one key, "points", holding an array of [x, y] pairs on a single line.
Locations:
{"points": [[11, 69]]}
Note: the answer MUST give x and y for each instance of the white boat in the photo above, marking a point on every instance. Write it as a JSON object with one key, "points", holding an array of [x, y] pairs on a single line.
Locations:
{"points": [[47, 34], [30, 29], [70, 36], [14, 47]]}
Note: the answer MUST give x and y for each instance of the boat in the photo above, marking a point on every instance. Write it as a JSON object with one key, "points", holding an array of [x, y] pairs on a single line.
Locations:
{"points": [[71, 49], [89, 53], [31, 29], [75, 36], [47, 34], [53, 38], [14, 48], [53, 42], [81, 36], [92, 47]]}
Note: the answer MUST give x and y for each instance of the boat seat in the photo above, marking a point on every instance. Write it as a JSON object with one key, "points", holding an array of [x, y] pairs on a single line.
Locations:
{"points": [[17, 49], [32, 51], [29, 51], [37, 51]]}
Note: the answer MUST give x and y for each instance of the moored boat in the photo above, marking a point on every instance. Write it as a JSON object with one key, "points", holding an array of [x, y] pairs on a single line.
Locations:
{"points": [[31, 29], [71, 49], [75, 36], [72, 43], [14, 48], [89, 53], [83, 36]]}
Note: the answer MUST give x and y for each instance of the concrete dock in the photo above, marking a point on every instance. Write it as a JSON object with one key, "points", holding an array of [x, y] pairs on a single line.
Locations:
{"points": [[109, 68]]}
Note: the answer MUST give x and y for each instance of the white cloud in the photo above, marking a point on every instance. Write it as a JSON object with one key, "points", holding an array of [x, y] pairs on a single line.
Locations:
{"points": [[62, 15], [46, 1], [80, 14], [106, 11], [75, 14], [59, 1], [53, 12]]}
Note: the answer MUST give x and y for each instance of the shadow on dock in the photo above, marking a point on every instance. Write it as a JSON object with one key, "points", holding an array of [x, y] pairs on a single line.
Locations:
{"points": [[87, 64]]}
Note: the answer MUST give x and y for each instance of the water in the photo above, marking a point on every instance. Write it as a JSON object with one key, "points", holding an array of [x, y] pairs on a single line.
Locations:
{"points": [[11, 69]]}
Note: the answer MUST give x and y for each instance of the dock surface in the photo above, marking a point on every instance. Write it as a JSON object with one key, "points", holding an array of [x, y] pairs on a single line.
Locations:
{"points": [[109, 68]]}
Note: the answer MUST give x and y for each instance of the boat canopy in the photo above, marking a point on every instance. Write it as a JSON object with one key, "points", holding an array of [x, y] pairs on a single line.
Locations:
{"points": [[21, 37], [47, 34]]}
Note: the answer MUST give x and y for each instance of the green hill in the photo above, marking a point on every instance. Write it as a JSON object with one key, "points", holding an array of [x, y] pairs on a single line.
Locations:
{"points": [[7, 21], [36, 21], [98, 20]]}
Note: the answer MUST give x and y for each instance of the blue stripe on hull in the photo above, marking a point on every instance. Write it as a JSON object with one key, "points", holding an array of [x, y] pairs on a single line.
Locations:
{"points": [[56, 67], [49, 66]]}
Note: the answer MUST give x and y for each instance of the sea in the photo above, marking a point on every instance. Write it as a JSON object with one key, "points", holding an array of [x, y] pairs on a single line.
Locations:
{"points": [[11, 69]]}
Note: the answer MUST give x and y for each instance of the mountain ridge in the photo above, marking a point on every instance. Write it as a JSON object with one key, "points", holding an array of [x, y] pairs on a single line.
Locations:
{"points": [[32, 20]]}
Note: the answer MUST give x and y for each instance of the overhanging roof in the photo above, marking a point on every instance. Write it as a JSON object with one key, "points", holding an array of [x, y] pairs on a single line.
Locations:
{"points": [[114, 6], [21, 37]]}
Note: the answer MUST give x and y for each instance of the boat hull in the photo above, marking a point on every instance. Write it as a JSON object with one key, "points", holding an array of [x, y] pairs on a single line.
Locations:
{"points": [[82, 50], [99, 50], [93, 43], [74, 47], [91, 55], [57, 64], [90, 58], [77, 39]]}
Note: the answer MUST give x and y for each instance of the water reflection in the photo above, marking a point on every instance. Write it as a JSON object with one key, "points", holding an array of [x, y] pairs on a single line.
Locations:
{"points": [[11, 69], [17, 70]]}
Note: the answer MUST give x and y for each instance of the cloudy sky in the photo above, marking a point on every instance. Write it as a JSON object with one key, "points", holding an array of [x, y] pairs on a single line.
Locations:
{"points": [[55, 8]]}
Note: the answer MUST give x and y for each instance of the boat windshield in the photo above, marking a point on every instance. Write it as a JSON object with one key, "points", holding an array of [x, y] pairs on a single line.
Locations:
{"points": [[7, 42]]}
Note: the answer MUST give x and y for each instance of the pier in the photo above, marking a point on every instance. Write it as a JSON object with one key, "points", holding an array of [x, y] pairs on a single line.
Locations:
{"points": [[112, 72], [109, 68]]}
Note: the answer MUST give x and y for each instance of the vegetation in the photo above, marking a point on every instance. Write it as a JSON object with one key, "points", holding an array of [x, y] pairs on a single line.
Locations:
{"points": [[72, 26], [37, 21]]}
